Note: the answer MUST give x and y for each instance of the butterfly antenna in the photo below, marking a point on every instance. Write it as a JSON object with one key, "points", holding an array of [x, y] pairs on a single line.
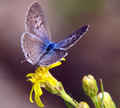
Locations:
{"points": [[23, 61]]}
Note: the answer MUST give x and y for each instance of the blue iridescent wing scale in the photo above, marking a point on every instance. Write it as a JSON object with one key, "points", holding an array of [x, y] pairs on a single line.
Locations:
{"points": [[71, 39]]}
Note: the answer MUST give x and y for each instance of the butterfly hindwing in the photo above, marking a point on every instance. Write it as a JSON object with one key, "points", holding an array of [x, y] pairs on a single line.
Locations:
{"points": [[51, 57], [32, 47]]}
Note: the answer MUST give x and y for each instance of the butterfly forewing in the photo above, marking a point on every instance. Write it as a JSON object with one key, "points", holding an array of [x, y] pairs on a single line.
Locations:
{"points": [[36, 23], [71, 39], [32, 48]]}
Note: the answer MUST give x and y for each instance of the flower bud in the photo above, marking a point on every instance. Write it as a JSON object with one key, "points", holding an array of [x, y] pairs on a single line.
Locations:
{"points": [[107, 100], [83, 105], [89, 85]]}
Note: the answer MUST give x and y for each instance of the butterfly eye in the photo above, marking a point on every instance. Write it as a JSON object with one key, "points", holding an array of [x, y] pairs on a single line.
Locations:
{"points": [[28, 55]]}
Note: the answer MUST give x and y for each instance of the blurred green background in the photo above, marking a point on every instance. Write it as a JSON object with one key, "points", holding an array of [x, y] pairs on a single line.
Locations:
{"points": [[97, 53]]}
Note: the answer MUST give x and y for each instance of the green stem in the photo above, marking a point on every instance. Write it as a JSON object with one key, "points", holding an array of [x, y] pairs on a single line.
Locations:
{"points": [[95, 101], [102, 89], [58, 89], [66, 97]]}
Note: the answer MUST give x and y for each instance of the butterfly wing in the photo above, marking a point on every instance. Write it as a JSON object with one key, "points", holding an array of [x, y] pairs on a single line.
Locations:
{"points": [[71, 39], [36, 38], [52, 57], [32, 47], [36, 22], [59, 51]]}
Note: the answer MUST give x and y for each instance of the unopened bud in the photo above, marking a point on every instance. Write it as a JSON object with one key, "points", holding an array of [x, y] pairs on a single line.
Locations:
{"points": [[89, 85], [107, 100], [83, 105]]}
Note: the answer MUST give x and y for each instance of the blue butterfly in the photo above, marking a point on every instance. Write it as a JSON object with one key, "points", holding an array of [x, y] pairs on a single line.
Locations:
{"points": [[36, 41]]}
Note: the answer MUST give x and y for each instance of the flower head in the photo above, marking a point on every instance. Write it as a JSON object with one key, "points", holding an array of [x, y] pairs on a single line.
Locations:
{"points": [[42, 78]]}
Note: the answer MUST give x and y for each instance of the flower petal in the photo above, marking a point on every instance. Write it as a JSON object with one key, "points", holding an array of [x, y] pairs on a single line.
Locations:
{"points": [[30, 74], [31, 94], [53, 65], [63, 59], [37, 89], [38, 101]]}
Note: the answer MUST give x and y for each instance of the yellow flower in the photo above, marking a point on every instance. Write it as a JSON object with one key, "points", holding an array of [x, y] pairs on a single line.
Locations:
{"points": [[42, 78]]}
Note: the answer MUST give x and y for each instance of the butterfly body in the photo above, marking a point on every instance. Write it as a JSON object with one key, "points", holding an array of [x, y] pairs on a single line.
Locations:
{"points": [[50, 47], [36, 41]]}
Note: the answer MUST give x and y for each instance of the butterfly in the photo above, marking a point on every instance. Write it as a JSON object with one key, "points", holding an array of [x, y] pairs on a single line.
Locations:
{"points": [[36, 40]]}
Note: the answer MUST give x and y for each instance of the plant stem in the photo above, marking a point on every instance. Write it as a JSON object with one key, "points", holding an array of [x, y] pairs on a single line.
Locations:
{"points": [[66, 97], [95, 101], [102, 90]]}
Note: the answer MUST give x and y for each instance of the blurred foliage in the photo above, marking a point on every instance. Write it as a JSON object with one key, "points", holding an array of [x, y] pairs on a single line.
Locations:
{"points": [[70, 9]]}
